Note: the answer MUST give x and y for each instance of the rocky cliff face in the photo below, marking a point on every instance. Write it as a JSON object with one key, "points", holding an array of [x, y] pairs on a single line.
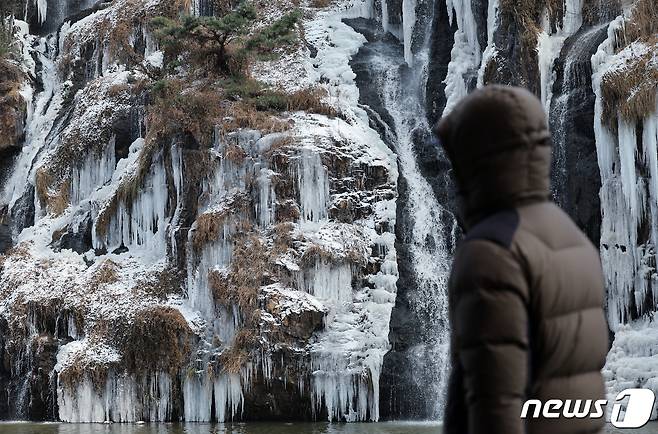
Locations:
{"points": [[194, 244], [264, 229]]}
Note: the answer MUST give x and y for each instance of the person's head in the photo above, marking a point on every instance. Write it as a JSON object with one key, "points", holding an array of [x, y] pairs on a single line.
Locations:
{"points": [[498, 141]]}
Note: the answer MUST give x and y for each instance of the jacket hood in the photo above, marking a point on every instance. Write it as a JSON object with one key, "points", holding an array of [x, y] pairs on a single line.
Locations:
{"points": [[498, 142]]}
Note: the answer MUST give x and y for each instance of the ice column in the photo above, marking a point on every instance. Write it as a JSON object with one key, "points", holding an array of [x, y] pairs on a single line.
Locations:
{"points": [[313, 186], [628, 194], [95, 171], [408, 25], [142, 224]]}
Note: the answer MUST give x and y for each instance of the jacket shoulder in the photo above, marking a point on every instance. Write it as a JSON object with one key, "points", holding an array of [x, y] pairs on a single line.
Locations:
{"points": [[498, 228], [485, 258]]}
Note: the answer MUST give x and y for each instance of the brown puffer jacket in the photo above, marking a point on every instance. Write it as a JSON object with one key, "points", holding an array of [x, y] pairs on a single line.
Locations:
{"points": [[526, 290]]}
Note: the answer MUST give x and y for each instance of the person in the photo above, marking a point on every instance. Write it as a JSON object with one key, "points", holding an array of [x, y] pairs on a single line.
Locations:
{"points": [[526, 287]]}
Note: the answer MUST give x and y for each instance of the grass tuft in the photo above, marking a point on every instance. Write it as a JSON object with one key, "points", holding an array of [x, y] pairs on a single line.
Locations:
{"points": [[53, 196], [630, 92], [158, 340], [247, 273], [642, 25]]}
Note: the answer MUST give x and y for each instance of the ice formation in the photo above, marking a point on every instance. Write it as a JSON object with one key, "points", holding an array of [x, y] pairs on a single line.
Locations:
{"points": [[633, 360], [550, 42], [313, 186], [628, 165], [627, 197], [493, 10], [137, 214], [466, 54], [408, 25]]}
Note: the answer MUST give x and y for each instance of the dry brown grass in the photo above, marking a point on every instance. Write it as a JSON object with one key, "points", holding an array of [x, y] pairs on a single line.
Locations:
{"points": [[79, 369], [175, 109], [315, 253], [528, 13], [642, 25], [321, 4], [210, 225], [235, 153], [243, 115], [162, 283], [220, 286], [237, 355], [158, 340], [283, 237], [280, 146], [12, 105], [595, 11], [310, 99], [106, 274], [178, 108], [119, 89], [247, 273], [287, 211], [53, 195], [630, 92]]}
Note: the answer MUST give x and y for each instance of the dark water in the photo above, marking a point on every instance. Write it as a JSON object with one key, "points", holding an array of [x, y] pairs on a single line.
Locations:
{"points": [[251, 428]]}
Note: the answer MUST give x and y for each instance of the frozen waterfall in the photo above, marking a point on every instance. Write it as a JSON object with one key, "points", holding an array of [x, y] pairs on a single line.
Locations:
{"points": [[400, 88]]}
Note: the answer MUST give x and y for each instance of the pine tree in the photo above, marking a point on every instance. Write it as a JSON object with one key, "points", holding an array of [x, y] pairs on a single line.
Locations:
{"points": [[210, 35]]}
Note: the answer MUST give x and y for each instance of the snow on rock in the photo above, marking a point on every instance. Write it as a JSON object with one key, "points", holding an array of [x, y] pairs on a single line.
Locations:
{"points": [[347, 355]]}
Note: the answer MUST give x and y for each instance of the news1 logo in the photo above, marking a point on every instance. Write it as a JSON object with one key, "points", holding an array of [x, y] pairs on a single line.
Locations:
{"points": [[636, 412]]}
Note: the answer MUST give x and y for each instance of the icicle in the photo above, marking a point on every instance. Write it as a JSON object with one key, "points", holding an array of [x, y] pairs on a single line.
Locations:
{"points": [[650, 144], [408, 25], [199, 388], [265, 206], [490, 51], [142, 224], [42, 10], [330, 282], [573, 17], [385, 17], [94, 172], [177, 175], [313, 187], [627, 145], [121, 398], [549, 46], [465, 56], [197, 398], [228, 397]]}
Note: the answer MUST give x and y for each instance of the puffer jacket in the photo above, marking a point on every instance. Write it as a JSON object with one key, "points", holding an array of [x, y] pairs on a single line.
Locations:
{"points": [[526, 290]]}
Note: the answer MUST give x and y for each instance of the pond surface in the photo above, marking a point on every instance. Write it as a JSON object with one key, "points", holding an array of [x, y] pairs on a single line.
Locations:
{"points": [[250, 428]]}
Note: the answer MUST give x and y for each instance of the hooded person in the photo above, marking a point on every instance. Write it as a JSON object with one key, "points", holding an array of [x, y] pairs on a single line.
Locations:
{"points": [[526, 288]]}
